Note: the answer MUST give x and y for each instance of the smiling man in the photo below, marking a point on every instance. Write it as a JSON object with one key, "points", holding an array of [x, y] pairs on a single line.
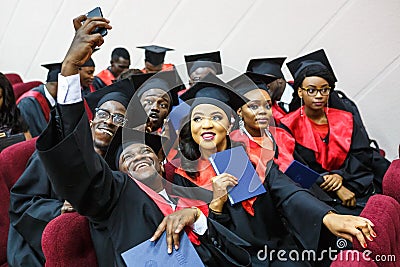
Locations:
{"points": [[33, 203]]}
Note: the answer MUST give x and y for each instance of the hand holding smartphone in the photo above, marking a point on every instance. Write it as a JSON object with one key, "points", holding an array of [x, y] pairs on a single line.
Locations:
{"points": [[96, 12]]}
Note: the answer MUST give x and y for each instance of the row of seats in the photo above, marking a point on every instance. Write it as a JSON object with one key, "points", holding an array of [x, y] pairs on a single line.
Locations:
{"points": [[19, 85], [66, 240], [384, 212]]}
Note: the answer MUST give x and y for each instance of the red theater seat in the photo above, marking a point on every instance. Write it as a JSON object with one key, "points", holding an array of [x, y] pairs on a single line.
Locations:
{"points": [[66, 241], [391, 181], [13, 160], [13, 78], [20, 88]]}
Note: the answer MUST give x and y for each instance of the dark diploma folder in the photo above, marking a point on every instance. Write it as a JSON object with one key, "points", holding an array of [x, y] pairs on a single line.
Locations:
{"points": [[236, 162], [302, 174], [155, 253]]}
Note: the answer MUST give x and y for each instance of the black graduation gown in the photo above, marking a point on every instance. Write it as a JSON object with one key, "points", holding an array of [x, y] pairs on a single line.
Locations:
{"points": [[356, 167], [33, 204], [32, 112], [117, 209], [285, 207]]}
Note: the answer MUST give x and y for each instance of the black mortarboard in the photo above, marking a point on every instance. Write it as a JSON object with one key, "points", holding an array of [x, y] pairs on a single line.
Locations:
{"points": [[249, 81], [296, 66], [169, 81], [211, 60], [211, 90], [155, 54], [54, 70], [120, 91], [267, 66], [125, 137], [89, 63]]}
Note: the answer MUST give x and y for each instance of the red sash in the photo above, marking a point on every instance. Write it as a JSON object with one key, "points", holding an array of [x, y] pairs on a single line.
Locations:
{"points": [[41, 99], [106, 76], [329, 155], [278, 113], [183, 203]]}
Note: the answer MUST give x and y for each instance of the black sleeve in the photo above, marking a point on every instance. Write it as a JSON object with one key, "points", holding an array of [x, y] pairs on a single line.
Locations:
{"points": [[356, 170], [98, 83], [77, 173], [302, 210], [32, 206], [32, 113]]}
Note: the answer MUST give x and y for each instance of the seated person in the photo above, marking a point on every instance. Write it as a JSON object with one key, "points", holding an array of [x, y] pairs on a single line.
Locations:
{"points": [[199, 65], [120, 61], [279, 90], [86, 72], [33, 202], [35, 105], [326, 139], [11, 121], [257, 220], [157, 93], [154, 59], [118, 207]]}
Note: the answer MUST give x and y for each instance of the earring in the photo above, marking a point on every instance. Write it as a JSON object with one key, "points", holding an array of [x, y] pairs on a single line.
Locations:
{"points": [[301, 107]]}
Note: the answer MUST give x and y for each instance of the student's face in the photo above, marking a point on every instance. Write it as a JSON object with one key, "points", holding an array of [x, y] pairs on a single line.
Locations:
{"points": [[156, 103], [86, 75], [119, 65], [256, 114], [150, 68], [140, 161], [104, 130], [199, 74], [209, 127], [276, 88], [1, 97], [317, 102]]}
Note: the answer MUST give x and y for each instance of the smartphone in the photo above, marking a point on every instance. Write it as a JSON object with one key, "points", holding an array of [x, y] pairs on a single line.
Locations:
{"points": [[96, 12]]}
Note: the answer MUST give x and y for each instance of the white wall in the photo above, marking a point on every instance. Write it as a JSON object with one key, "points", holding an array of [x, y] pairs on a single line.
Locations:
{"points": [[361, 37]]}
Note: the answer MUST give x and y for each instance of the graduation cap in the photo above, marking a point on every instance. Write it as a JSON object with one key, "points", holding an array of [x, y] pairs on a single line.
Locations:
{"points": [[54, 70], [317, 58], [124, 137], [120, 91], [168, 81], [267, 66], [155, 54], [211, 60], [249, 81], [211, 90]]}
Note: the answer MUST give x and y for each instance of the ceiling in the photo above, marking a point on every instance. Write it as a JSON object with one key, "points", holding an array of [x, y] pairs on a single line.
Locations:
{"points": [[361, 38]]}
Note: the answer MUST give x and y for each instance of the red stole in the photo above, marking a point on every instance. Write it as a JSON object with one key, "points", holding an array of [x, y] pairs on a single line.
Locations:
{"points": [[206, 172], [106, 76], [332, 154], [278, 113], [182, 203]]}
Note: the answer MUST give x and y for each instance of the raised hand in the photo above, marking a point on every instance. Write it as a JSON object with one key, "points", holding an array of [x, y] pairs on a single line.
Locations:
{"points": [[83, 43]]}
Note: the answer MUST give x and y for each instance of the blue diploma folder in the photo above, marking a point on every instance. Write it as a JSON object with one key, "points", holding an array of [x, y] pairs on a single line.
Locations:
{"points": [[155, 254], [236, 162], [302, 174]]}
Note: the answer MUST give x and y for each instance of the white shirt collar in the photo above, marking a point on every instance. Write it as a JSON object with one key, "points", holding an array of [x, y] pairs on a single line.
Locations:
{"points": [[49, 96]]}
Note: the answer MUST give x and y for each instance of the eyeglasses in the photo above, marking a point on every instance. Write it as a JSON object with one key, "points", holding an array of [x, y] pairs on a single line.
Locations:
{"points": [[117, 119], [314, 91]]}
